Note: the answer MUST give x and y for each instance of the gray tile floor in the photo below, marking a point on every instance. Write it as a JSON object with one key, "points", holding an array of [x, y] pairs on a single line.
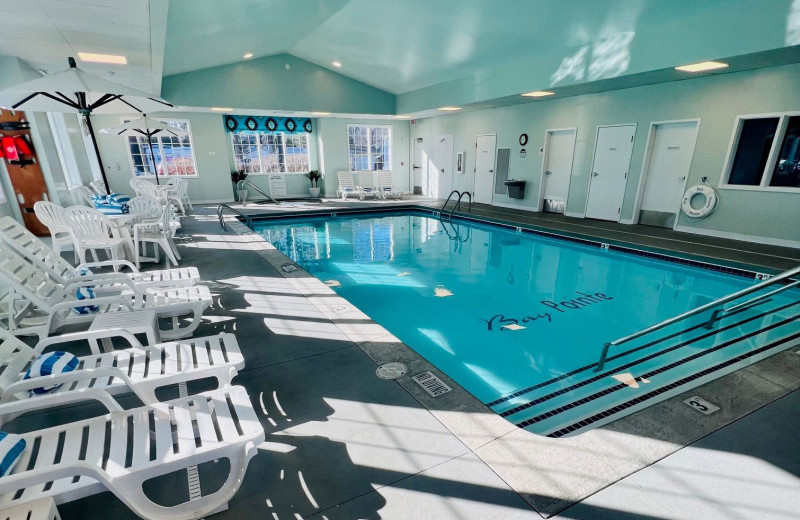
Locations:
{"points": [[343, 444]]}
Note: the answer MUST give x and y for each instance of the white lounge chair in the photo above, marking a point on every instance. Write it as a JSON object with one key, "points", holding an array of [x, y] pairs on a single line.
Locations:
{"points": [[28, 245], [366, 185], [386, 185], [122, 449], [91, 230], [99, 187], [347, 186], [37, 304], [139, 369], [52, 216]]}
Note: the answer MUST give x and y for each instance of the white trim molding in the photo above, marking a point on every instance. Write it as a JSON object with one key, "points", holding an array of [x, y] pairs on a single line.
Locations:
{"points": [[782, 242]]}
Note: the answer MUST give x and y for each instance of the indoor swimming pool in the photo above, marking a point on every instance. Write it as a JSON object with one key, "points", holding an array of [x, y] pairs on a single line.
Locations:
{"points": [[519, 319]]}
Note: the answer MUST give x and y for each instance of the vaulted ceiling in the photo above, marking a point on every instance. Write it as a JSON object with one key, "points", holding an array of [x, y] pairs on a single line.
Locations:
{"points": [[426, 52]]}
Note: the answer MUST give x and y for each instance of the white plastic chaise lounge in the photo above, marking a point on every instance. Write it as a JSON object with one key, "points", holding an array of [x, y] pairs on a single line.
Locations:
{"points": [[386, 185], [73, 461], [28, 245], [139, 369], [366, 185], [347, 186], [38, 304]]}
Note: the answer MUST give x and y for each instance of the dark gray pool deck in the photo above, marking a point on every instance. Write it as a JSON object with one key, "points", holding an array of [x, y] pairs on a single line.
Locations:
{"points": [[344, 444]]}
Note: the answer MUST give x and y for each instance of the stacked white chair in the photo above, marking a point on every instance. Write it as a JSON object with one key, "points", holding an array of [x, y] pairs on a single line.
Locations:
{"points": [[158, 233], [17, 237], [91, 230], [52, 216], [38, 304]]}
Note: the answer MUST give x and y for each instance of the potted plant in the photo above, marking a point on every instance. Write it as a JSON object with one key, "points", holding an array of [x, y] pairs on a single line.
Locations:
{"points": [[314, 176], [236, 177]]}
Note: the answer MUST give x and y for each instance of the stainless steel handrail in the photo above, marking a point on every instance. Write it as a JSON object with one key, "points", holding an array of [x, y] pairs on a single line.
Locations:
{"points": [[441, 211], [223, 207], [241, 184], [716, 303], [458, 204]]}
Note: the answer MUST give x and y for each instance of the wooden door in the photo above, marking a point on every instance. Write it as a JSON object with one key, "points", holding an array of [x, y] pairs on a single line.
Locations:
{"points": [[26, 179]]}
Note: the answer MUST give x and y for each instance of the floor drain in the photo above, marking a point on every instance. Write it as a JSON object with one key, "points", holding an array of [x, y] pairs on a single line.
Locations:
{"points": [[391, 370]]}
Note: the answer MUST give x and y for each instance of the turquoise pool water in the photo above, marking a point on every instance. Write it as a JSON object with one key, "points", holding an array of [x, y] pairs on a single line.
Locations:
{"points": [[496, 310]]}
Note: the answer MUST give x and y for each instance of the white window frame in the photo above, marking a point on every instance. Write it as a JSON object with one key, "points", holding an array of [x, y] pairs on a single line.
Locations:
{"points": [[66, 155], [387, 165], [772, 159], [283, 148], [161, 149]]}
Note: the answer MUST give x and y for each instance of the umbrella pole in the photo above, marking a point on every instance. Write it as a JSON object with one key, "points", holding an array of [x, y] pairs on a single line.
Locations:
{"points": [[152, 156], [88, 120]]}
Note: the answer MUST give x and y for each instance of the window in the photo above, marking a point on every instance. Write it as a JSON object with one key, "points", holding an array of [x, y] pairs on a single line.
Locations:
{"points": [[271, 152], [765, 153], [369, 147], [174, 155]]}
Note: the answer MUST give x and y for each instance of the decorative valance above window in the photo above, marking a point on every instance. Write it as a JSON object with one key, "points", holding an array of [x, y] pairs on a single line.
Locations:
{"points": [[291, 125]]}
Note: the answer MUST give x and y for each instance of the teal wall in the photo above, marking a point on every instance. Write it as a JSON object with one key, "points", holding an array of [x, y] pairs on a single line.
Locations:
{"points": [[717, 100], [266, 84], [214, 155]]}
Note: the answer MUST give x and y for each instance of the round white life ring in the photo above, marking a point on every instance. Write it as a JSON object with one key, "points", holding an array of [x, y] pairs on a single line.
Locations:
{"points": [[708, 206]]}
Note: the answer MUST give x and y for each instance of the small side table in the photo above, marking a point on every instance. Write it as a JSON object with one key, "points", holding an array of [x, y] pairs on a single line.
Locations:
{"points": [[42, 509], [140, 321]]}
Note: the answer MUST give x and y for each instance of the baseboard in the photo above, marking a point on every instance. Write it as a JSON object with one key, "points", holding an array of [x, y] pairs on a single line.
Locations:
{"points": [[574, 215], [513, 206], [626, 221], [739, 236], [213, 201]]}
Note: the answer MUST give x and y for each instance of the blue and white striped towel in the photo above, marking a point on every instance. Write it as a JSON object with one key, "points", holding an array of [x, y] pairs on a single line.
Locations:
{"points": [[51, 363], [11, 447]]}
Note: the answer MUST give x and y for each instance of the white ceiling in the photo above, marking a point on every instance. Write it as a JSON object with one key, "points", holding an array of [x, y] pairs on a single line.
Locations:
{"points": [[44, 33]]}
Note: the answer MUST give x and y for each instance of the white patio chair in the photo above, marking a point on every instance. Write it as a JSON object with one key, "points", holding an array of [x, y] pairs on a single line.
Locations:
{"points": [[134, 183], [347, 186], [37, 304], [122, 449], [386, 185], [139, 369], [157, 233], [178, 193], [28, 245], [366, 185], [86, 194], [91, 230], [99, 187], [183, 193], [51, 215]]}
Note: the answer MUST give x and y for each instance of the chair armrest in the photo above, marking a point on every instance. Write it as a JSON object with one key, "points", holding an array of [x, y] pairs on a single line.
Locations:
{"points": [[41, 402], [109, 263], [89, 335], [103, 300], [71, 377], [102, 280]]}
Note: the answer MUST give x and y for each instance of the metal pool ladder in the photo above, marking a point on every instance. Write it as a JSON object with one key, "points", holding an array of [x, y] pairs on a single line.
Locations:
{"points": [[457, 205], [241, 184], [223, 207], [716, 305]]}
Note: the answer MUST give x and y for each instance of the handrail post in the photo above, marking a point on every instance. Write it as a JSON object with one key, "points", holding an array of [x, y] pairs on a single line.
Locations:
{"points": [[603, 356]]}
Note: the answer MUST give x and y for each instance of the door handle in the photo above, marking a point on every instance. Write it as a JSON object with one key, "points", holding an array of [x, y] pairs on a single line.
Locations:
{"points": [[417, 167], [595, 174], [491, 171], [548, 172], [683, 178], [442, 170]]}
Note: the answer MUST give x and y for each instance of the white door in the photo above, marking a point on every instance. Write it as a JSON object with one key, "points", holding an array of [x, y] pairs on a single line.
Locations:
{"points": [[612, 158], [441, 179], [670, 157], [557, 166], [484, 168]]}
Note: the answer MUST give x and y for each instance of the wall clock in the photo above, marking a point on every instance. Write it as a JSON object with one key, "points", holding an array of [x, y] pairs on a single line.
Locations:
{"points": [[523, 139]]}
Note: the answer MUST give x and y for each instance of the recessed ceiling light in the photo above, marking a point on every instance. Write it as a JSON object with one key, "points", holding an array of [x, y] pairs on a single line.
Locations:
{"points": [[539, 93], [320, 113], [248, 55], [337, 64], [103, 58], [221, 109], [702, 66], [449, 109]]}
